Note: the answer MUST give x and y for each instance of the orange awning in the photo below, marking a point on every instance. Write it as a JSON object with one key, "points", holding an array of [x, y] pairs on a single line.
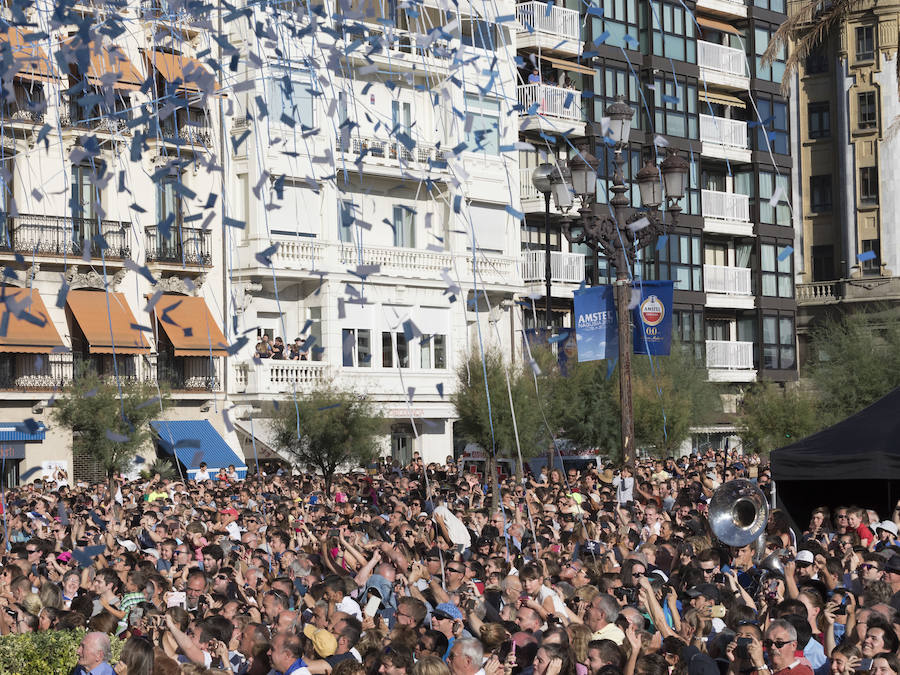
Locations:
{"points": [[30, 62], [190, 326], [106, 327], [717, 25], [30, 332], [113, 60], [177, 69]]}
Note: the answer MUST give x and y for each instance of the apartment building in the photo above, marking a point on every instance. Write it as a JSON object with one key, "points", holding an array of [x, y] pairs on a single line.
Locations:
{"points": [[845, 111], [695, 78]]}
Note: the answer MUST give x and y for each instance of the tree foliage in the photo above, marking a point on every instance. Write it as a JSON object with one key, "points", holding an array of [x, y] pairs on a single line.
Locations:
{"points": [[108, 425], [774, 416], [327, 428], [854, 361], [670, 395]]}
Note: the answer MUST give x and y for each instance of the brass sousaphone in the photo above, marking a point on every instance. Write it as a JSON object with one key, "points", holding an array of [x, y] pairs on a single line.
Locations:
{"points": [[738, 513]]}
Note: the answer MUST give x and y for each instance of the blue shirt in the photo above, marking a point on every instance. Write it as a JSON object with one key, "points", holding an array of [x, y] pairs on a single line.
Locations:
{"points": [[295, 666]]}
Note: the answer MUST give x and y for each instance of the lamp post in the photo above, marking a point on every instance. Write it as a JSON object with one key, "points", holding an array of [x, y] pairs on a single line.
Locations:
{"points": [[549, 180], [620, 235]]}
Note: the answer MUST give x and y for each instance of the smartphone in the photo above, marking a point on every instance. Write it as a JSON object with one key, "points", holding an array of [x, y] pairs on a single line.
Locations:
{"points": [[372, 605], [177, 599], [864, 664], [717, 611]]}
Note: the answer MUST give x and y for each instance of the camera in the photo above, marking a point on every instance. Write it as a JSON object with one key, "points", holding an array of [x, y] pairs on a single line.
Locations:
{"points": [[741, 651], [626, 593]]}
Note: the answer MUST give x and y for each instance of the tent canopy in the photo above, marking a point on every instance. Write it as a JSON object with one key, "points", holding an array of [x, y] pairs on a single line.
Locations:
{"points": [[194, 442], [862, 447]]}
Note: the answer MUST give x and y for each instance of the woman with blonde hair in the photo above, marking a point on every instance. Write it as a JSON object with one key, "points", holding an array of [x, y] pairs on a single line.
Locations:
{"points": [[430, 665], [493, 635], [579, 636]]}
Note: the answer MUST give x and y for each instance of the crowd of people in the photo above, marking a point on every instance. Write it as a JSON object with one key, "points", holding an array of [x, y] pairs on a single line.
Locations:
{"points": [[275, 349], [424, 570]]}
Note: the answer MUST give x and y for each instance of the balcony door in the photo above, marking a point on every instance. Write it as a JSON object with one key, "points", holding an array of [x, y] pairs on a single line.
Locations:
{"points": [[85, 199], [168, 212]]}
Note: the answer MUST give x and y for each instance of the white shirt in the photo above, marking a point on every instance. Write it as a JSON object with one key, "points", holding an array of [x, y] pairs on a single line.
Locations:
{"points": [[202, 474], [624, 489], [458, 532]]}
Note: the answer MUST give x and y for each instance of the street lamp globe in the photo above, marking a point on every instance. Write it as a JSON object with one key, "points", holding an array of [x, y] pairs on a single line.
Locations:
{"points": [[584, 174], [542, 177], [619, 114], [650, 186], [674, 171]]}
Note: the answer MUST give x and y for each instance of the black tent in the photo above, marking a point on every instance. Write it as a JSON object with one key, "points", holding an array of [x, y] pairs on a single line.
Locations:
{"points": [[856, 461]]}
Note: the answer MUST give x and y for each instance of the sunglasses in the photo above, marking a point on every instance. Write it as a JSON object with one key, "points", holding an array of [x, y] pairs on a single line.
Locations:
{"points": [[778, 644]]}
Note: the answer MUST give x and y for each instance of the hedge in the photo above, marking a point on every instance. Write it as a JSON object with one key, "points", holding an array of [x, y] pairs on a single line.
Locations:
{"points": [[53, 652]]}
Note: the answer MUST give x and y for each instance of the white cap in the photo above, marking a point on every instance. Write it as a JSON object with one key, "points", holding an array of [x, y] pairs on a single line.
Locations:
{"points": [[805, 556], [888, 525]]}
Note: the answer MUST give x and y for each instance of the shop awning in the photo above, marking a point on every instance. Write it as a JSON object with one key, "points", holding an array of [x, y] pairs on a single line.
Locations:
{"points": [[179, 70], [25, 326], [190, 326], [717, 25], [107, 322], [194, 442], [568, 65], [113, 60], [722, 99], [30, 62], [21, 432]]}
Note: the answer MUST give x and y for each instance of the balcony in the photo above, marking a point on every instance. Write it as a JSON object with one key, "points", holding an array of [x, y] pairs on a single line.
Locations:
{"points": [[728, 287], [24, 372], [532, 199], [729, 361], [191, 374], [549, 28], [724, 139], [398, 49], [726, 213], [185, 246], [279, 377], [549, 108], [722, 66], [392, 159], [565, 268], [860, 290], [724, 8], [65, 237]]}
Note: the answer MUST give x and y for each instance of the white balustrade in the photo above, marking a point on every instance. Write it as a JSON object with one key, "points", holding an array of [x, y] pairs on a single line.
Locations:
{"points": [[559, 22], [729, 355], [271, 376], [720, 58], [723, 131], [404, 259], [296, 252], [726, 206], [564, 267], [817, 292], [551, 101], [725, 279], [526, 187]]}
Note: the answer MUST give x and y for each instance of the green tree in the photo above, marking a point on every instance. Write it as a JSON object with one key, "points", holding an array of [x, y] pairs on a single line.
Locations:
{"points": [[670, 395], [327, 428], [108, 425], [854, 361], [774, 416]]}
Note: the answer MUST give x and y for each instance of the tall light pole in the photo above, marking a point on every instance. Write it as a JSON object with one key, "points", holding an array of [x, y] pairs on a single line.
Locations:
{"points": [[548, 179], [620, 235]]}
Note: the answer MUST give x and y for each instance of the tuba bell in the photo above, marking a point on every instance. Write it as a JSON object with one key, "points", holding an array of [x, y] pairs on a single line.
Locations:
{"points": [[738, 512]]}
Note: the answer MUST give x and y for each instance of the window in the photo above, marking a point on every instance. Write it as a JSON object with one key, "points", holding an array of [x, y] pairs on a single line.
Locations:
{"points": [[346, 220], [433, 352], [779, 350], [817, 61], [357, 347], [401, 119], [168, 218], [620, 19], [484, 135], [775, 132], [819, 120], [873, 265], [823, 263], [769, 183], [868, 184], [771, 5], [774, 71], [820, 193], [688, 330], [868, 110], [404, 227], [388, 350], [675, 105], [775, 266], [682, 262], [610, 82], [676, 40], [290, 100], [478, 33], [865, 43]]}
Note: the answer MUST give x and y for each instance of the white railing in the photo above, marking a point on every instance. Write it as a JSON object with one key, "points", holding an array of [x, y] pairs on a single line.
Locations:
{"points": [[726, 206], [551, 101], [564, 267], [729, 355], [723, 131], [725, 279], [526, 187], [559, 22], [720, 58], [817, 292], [379, 148], [296, 252], [272, 376], [405, 259]]}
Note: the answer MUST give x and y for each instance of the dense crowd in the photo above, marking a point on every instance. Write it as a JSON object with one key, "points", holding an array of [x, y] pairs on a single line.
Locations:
{"points": [[423, 570]]}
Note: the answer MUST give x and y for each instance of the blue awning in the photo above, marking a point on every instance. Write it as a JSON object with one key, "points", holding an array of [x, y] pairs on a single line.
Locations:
{"points": [[22, 431], [194, 442]]}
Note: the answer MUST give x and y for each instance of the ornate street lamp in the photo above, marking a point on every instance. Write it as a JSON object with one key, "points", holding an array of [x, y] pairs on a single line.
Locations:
{"points": [[550, 180]]}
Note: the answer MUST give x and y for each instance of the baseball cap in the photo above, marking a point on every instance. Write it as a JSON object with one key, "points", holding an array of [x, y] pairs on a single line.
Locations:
{"points": [[706, 590], [887, 526], [447, 610], [323, 642], [805, 556], [231, 511], [893, 564]]}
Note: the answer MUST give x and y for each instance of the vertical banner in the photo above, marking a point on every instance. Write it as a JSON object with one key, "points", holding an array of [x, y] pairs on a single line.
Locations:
{"points": [[596, 329], [653, 318]]}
